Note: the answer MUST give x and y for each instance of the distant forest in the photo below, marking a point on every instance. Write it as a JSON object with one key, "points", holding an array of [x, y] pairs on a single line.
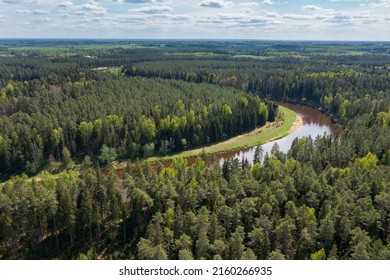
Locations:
{"points": [[70, 111]]}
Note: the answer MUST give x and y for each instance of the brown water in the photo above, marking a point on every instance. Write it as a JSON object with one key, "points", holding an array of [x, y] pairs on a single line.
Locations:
{"points": [[315, 123]]}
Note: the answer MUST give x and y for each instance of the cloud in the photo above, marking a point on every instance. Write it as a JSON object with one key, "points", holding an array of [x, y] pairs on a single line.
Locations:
{"points": [[341, 18], [34, 12], [215, 4], [246, 10], [142, 1], [91, 7], [179, 17], [136, 1], [297, 16], [23, 12], [152, 10], [234, 20], [66, 4], [272, 14], [40, 12], [248, 4], [316, 9], [132, 18], [39, 21], [28, 1], [380, 4], [269, 2]]}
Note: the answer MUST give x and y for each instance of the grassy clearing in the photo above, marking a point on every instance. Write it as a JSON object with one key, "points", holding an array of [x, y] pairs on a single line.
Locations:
{"points": [[256, 137]]}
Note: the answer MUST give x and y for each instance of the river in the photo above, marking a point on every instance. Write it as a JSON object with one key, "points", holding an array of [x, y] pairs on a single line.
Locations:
{"points": [[314, 123]]}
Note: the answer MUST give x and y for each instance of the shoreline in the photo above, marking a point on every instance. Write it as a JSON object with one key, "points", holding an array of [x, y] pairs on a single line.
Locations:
{"points": [[297, 125], [259, 136]]}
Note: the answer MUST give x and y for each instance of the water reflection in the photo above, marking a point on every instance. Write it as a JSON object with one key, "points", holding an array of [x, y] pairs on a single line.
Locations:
{"points": [[315, 123]]}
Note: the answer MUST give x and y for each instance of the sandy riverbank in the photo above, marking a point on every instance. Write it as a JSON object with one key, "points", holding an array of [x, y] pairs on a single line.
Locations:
{"points": [[259, 136], [297, 125]]}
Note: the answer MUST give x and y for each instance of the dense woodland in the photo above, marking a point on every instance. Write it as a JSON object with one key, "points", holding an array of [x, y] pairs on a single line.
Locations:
{"points": [[327, 198], [132, 117]]}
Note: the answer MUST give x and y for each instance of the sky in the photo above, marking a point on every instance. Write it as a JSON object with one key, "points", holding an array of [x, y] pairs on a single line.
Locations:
{"points": [[356, 20]]}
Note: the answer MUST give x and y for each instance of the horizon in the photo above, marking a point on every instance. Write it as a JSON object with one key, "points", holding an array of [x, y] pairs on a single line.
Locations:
{"points": [[192, 39]]}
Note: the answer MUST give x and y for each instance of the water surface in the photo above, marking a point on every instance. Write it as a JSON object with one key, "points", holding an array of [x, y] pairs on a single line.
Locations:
{"points": [[315, 123]]}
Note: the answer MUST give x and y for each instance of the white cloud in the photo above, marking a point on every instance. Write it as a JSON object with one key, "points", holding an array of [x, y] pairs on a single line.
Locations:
{"points": [[380, 4], [179, 17], [248, 4], [271, 14], [66, 4], [152, 10], [132, 18], [298, 16], [136, 1], [40, 12], [316, 9], [215, 4], [341, 18], [28, 1], [39, 21], [141, 1], [246, 10], [90, 8], [269, 2], [34, 12], [234, 20], [25, 12]]}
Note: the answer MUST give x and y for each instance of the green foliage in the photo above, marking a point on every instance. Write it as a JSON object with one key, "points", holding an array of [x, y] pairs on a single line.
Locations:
{"points": [[255, 170], [263, 112], [226, 110], [136, 117], [66, 158], [56, 137], [370, 161], [319, 255], [185, 255], [107, 155], [169, 218]]}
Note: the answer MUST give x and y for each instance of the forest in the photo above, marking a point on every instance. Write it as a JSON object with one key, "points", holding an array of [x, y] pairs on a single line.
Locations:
{"points": [[70, 115]]}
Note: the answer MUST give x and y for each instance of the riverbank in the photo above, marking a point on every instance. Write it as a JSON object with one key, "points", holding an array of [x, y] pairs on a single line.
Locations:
{"points": [[270, 132], [297, 124], [259, 136]]}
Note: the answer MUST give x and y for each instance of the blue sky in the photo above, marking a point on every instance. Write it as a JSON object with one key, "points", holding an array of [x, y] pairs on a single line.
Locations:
{"points": [[214, 19]]}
